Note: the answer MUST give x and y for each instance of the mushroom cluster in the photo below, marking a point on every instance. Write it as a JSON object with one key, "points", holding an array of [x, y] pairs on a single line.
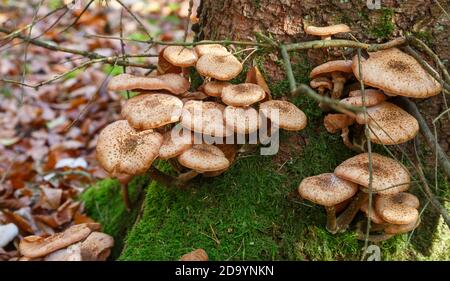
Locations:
{"points": [[195, 131], [81, 242], [389, 72], [346, 191]]}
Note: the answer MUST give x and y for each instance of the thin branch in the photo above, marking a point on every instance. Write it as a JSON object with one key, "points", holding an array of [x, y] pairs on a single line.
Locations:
{"points": [[319, 44], [77, 18], [188, 20], [136, 18], [288, 68]]}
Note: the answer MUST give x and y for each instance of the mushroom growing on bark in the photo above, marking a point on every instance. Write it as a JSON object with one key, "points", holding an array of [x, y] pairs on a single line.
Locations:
{"points": [[220, 67], [337, 70], [396, 72], [214, 88], [290, 117], [325, 32], [174, 83], [327, 190], [244, 94], [214, 49], [180, 56], [124, 152]]}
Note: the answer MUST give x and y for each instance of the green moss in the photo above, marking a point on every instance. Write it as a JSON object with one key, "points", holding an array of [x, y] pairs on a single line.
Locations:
{"points": [[384, 26], [103, 203]]}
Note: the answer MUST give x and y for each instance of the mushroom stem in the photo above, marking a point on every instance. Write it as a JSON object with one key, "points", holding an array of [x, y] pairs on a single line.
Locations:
{"points": [[360, 230], [124, 180], [338, 85], [331, 219], [164, 179], [346, 217], [187, 176]]}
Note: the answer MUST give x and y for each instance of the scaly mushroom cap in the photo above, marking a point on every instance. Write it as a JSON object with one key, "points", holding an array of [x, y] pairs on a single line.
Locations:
{"points": [[321, 82], [150, 111], [180, 56], [174, 83], [197, 255], [96, 247], [400, 208], [334, 122], [205, 117], [401, 228], [290, 117], [214, 49], [71, 253], [372, 98], [204, 158], [244, 94], [35, 246], [214, 88], [122, 149], [242, 120], [397, 73], [197, 95], [373, 214], [389, 124], [219, 67], [332, 66], [230, 151], [327, 189], [175, 142], [327, 30], [389, 176], [357, 93]]}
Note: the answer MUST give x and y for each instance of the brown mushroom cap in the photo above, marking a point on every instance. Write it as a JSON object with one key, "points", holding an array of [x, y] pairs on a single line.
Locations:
{"points": [[197, 255], [389, 124], [327, 189], [244, 94], [175, 142], [321, 82], [71, 253], [122, 149], [397, 73], [35, 246], [214, 88], [230, 151], [372, 98], [327, 30], [357, 93], [180, 56], [197, 95], [290, 117], [334, 122], [389, 176], [150, 111], [204, 158], [242, 120], [215, 49], [332, 66], [174, 83], [401, 228], [96, 247], [373, 214], [400, 208], [220, 67], [205, 117]]}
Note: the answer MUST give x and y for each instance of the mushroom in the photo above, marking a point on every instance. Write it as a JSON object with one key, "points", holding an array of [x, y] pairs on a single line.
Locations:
{"points": [[7, 234], [164, 66], [326, 32], [401, 228], [204, 158], [230, 151], [175, 143], [219, 67], [35, 246], [396, 72], [180, 56], [285, 114], [321, 84], [174, 83], [150, 111], [255, 76], [327, 190], [196, 255], [388, 177], [71, 253], [96, 247], [389, 124], [244, 94], [205, 118], [400, 208], [242, 120], [214, 49], [373, 214], [371, 98], [339, 122], [214, 88], [336, 69], [123, 152]]}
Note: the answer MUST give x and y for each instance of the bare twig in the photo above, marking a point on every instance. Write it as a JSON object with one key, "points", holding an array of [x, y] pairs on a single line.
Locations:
{"points": [[186, 28], [319, 44], [78, 17], [135, 17]]}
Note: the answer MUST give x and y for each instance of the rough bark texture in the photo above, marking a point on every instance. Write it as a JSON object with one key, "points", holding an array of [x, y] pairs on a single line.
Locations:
{"points": [[285, 20]]}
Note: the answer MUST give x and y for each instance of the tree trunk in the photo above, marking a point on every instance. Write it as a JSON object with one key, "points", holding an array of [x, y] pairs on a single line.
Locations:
{"points": [[285, 21]]}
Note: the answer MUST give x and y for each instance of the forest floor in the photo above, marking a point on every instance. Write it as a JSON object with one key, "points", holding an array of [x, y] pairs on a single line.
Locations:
{"points": [[251, 212]]}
